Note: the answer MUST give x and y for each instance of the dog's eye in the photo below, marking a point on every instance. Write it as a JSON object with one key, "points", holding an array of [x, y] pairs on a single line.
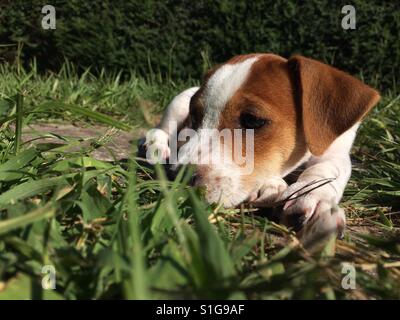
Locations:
{"points": [[249, 121]]}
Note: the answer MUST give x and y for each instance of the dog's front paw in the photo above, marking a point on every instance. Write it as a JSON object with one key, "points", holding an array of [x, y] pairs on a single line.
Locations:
{"points": [[328, 220], [270, 191], [155, 146], [312, 210]]}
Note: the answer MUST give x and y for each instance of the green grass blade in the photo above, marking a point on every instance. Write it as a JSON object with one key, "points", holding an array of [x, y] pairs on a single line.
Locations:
{"points": [[8, 170], [41, 213], [215, 253], [139, 286], [19, 99], [30, 188], [94, 115]]}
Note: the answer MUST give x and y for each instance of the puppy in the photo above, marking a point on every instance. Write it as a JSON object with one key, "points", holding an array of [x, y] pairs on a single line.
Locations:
{"points": [[302, 113]]}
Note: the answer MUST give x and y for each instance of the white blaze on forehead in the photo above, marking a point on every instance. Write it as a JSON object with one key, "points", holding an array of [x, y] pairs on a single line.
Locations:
{"points": [[221, 86]]}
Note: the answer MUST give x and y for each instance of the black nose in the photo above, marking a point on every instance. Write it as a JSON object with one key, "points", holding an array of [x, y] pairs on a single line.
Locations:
{"points": [[171, 174], [194, 180]]}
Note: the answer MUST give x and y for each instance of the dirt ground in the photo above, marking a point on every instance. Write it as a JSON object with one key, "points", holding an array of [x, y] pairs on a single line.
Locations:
{"points": [[117, 146]]}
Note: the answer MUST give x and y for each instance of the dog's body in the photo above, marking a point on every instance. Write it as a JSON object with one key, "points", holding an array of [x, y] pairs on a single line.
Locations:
{"points": [[303, 113]]}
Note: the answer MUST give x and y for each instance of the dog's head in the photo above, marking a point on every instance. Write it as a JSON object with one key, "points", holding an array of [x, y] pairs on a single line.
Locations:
{"points": [[294, 107]]}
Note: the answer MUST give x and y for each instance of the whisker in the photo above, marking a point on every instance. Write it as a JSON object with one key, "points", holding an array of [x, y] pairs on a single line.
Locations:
{"points": [[325, 181]]}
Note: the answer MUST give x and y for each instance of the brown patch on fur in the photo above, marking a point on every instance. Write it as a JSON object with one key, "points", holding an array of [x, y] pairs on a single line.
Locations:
{"points": [[196, 108], [268, 94], [307, 103], [331, 100]]}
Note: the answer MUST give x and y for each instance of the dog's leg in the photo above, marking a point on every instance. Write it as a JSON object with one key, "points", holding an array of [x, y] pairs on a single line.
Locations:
{"points": [[173, 118], [316, 211]]}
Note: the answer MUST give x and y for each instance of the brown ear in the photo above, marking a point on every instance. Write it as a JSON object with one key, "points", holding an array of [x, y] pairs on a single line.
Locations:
{"points": [[331, 101]]}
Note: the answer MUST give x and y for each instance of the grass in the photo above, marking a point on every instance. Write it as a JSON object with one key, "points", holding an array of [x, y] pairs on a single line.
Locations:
{"points": [[118, 230]]}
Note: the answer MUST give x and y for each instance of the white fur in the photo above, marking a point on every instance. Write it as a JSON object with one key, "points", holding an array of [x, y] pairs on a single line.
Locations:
{"points": [[177, 110], [268, 191], [220, 88], [333, 164], [224, 178], [156, 143], [157, 139], [220, 174]]}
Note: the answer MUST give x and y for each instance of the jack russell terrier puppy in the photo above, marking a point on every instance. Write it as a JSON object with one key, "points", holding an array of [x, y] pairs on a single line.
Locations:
{"points": [[303, 113]]}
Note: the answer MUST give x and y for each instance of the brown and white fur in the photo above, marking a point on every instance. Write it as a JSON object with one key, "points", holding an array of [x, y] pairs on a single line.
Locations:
{"points": [[313, 112]]}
